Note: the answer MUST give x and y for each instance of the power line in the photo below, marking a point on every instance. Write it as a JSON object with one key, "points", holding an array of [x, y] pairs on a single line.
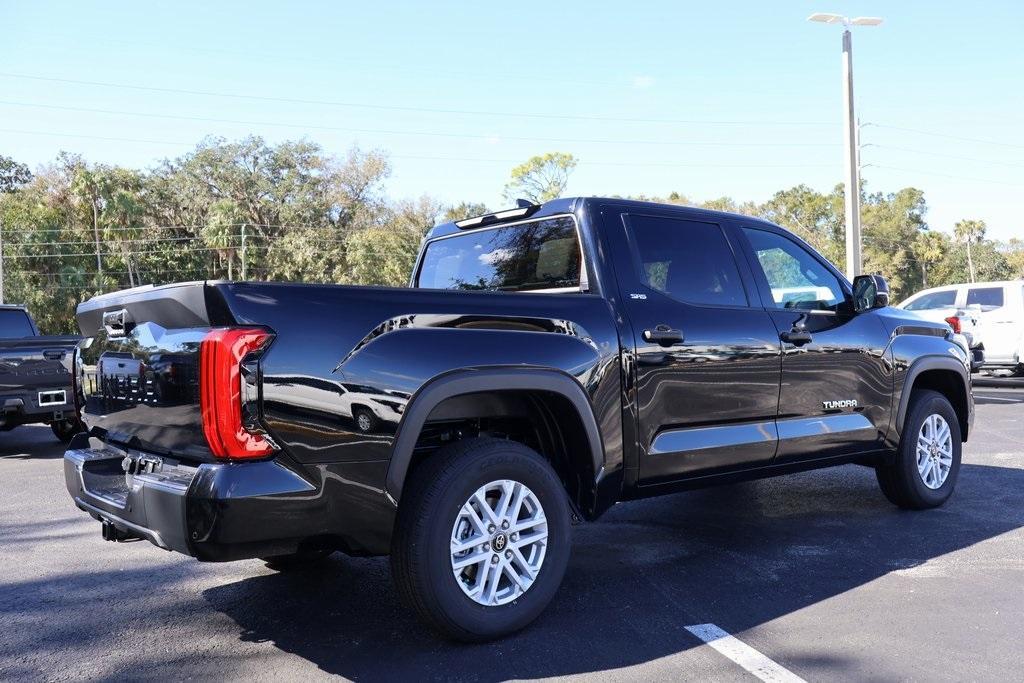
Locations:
{"points": [[998, 143], [365, 105], [940, 154], [93, 137], [517, 138], [187, 248], [384, 131], [943, 175]]}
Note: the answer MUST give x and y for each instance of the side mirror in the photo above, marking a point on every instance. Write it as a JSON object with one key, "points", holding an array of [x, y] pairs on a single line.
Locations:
{"points": [[870, 291]]}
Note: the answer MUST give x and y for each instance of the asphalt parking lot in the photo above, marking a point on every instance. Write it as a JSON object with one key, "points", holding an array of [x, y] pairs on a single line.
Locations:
{"points": [[815, 571]]}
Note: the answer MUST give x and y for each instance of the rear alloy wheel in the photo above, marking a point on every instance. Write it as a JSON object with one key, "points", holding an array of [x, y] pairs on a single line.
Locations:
{"points": [[499, 542], [927, 462], [482, 538]]}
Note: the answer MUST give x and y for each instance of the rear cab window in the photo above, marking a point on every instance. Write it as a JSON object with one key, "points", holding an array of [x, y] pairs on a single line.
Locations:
{"points": [[15, 323], [533, 256]]}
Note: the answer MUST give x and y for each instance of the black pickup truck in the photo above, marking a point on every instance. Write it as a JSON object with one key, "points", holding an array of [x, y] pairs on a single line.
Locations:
{"points": [[547, 362], [36, 375]]}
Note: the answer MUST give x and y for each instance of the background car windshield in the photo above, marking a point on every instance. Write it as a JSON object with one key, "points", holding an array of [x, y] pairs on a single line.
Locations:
{"points": [[14, 324], [927, 302], [530, 256]]}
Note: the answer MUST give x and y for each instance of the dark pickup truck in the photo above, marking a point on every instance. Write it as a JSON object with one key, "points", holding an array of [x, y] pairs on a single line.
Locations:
{"points": [[36, 376], [547, 362]]}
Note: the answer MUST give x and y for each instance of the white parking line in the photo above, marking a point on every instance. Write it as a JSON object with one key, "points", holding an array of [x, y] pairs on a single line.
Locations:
{"points": [[744, 655], [999, 398]]}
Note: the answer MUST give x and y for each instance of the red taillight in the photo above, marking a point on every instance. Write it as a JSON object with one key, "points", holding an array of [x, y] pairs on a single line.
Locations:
{"points": [[220, 392], [954, 322]]}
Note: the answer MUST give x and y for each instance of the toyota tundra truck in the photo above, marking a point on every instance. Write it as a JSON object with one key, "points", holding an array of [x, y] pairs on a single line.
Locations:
{"points": [[36, 375], [545, 363]]}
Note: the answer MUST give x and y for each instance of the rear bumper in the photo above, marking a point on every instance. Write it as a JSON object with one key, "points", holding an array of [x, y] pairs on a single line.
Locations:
{"points": [[223, 511], [977, 359], [27, 406], [147, 506]]}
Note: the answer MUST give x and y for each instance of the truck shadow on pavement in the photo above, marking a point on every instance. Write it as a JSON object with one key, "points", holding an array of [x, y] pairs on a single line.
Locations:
{"points": [[30, 441], [737, 556]]}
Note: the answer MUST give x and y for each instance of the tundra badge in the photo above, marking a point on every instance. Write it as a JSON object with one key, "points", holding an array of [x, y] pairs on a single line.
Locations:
{"points": [[839, 405]]}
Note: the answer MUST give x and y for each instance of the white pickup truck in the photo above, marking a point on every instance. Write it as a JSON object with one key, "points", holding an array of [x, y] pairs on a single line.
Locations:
{"points": [[939, 305]]}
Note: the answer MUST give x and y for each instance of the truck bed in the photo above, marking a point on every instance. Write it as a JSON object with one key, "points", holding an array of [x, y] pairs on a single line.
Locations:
{"points": [[333, 345]]}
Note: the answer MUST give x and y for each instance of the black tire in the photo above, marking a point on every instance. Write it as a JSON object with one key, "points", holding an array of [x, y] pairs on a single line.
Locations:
{"points": [[65, 430], [421, 555], [901, 482], [304, 559], [365, 420]]}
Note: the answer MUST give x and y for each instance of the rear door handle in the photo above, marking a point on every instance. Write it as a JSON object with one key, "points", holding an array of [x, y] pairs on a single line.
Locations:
{"points": [[663, 335], [54, 354]]}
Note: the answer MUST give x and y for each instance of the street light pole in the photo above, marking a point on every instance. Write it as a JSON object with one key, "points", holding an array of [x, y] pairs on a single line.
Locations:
{"points": [[853, 243], [851, 156]]}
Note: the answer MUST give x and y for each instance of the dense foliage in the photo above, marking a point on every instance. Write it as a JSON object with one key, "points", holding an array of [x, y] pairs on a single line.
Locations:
{"points": [[247, 209]]}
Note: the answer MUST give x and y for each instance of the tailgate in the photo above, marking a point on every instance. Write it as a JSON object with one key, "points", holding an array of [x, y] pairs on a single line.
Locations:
{"points": [[34, 364], [141, 366]]}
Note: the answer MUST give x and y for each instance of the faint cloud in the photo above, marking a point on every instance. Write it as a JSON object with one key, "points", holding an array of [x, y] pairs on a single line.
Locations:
{"points": [[641, 82], [492, 140]]}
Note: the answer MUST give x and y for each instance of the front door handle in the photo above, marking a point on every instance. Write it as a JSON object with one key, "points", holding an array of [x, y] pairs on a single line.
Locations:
{"points": [[663, 335], [798, 336]]}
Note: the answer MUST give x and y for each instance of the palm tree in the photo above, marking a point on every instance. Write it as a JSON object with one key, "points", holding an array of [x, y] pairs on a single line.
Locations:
{"points": [[969, 232], [929, 248]]}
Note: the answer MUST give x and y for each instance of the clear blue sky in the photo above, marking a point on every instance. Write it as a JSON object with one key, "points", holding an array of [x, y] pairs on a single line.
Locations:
{"points": [[725, 98]]}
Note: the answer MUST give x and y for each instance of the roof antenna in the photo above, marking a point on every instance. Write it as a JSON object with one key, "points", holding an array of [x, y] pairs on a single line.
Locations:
{"points": [[525, 204]]}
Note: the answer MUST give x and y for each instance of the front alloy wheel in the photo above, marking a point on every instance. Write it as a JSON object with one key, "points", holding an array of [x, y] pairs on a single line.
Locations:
{"points": [[923, 471], [498, 542], [934, 451]]}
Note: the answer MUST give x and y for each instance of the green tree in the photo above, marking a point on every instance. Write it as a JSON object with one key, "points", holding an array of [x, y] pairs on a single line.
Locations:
{"points": [[891, 223], [464, 210], [729, 204], [12, 174], [86, 192], [969, 232], [385, 254], [541, 178], [222, 231], [929, 250], [43, 266], [815, 217], [1013, 250]]}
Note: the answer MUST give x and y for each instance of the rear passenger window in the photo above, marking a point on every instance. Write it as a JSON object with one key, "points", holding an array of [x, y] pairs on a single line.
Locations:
{"points": [[927, 302], [989, 298], [687, 260]]}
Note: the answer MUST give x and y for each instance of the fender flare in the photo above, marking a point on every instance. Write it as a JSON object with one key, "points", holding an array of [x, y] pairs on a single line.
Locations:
{"points": [[923, 364], [472, 381]]}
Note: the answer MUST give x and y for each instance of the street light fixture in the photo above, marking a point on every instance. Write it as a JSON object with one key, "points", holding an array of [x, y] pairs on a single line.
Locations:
{"points": [[853, 255]]}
